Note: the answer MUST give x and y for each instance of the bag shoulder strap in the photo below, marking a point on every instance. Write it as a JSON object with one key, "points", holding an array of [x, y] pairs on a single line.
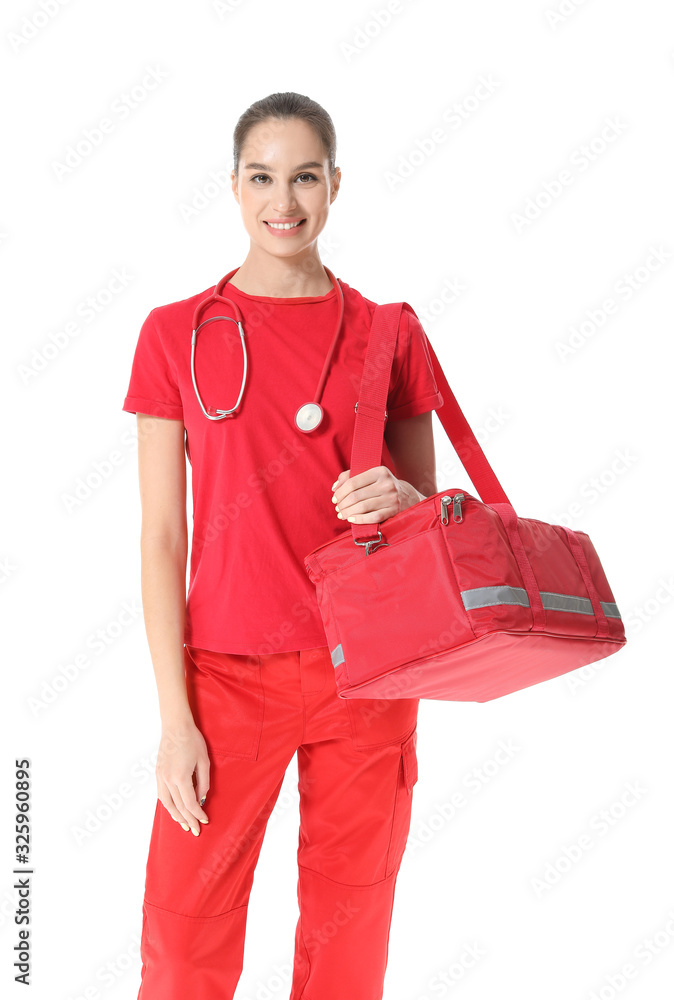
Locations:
{"points": [[368, 434]]}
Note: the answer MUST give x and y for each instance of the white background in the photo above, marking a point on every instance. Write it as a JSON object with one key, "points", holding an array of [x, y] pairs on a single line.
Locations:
{"points": [[550, 422]]}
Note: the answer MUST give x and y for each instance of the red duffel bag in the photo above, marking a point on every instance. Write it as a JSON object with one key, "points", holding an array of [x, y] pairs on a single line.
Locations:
{"points": [[456, 597]]}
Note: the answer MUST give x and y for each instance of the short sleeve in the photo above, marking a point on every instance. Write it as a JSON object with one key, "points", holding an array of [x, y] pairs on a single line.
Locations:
{"points": [[413, 388], [152, 387]]}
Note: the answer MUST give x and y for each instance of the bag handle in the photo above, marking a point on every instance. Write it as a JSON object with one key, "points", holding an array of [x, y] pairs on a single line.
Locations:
{"points": [[368, 432]]}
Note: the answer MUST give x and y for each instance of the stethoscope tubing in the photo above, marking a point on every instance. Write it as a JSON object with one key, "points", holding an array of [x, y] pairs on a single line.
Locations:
{"points": [[313, 412], [219, 414]]}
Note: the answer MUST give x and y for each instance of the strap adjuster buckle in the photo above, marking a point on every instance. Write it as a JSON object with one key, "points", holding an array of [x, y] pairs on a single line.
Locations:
{"points": [[373, 543], [355, 409]]}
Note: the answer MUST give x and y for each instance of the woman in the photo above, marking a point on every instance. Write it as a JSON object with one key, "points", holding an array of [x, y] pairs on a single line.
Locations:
{"points": [[243, 672]]}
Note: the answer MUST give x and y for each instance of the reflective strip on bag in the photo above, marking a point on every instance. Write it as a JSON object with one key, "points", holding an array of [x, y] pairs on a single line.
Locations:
{"points": [[483, 597]]}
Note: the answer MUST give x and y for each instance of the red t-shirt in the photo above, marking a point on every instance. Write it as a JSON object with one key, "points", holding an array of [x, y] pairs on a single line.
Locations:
{"points": [[261, 488]]}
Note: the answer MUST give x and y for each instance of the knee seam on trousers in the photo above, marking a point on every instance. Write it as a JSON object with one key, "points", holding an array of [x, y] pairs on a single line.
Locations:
{"points": [[349, 885], [188, 916]]}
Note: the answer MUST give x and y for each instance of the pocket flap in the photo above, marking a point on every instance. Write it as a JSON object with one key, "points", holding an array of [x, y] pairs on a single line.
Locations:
{"points": [[409, 755]]}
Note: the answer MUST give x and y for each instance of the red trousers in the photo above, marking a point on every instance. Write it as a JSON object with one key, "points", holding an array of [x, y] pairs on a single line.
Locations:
{"points": [[356, 765]]}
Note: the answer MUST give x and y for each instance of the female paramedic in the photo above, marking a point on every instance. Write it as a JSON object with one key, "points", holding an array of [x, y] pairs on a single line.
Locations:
{"points": [[254, 381]]}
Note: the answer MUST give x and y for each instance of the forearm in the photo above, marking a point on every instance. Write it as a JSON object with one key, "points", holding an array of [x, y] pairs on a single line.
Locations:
{"points": [[163, 565]]}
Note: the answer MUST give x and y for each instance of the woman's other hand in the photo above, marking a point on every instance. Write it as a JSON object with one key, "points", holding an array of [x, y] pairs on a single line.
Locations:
{"points": [[182, 752]]}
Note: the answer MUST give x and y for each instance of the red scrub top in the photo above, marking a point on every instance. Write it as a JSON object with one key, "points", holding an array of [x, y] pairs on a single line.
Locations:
{"points": [[261, 488]]}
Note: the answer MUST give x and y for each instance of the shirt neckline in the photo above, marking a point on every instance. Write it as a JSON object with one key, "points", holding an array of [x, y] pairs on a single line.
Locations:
{"points": [[287, 300]]}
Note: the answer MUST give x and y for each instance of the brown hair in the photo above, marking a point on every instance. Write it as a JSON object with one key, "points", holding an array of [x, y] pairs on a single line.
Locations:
{"points": [[283, 106]]}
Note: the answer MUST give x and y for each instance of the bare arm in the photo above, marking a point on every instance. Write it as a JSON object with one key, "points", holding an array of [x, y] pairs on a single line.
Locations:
{"points": [[163, 546], [410, 442]]}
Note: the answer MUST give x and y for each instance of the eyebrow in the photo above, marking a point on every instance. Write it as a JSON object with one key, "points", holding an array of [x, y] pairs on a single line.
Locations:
{"points": [[302, 166]]}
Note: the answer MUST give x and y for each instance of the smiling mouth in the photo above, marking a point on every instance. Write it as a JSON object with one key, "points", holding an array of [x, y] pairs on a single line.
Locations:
{"points": [[285, 225]]}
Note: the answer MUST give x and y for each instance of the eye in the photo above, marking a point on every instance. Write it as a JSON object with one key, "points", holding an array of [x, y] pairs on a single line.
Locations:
{"points": [[312, 177]]}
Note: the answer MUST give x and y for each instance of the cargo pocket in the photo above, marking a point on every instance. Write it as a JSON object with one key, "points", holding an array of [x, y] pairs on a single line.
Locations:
{"points": [[227, 700], [380, 722], [402, 810]]}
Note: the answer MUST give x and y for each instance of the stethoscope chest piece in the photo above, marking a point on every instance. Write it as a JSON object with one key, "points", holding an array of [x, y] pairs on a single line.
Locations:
{"points": [[309, 416]]}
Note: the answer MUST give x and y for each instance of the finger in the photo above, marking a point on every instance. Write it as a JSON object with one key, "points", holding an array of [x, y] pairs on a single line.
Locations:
{"points": [[374, 518], [369, 511], [361, 489], [191, 809], [364, 504], [164, 796], [179, 790], [378, 475], [203, 770], [339, 482]]}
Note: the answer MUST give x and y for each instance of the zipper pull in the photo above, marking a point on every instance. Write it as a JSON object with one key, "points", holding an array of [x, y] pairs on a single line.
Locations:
{"points": [[456, 507], [444, 503]]}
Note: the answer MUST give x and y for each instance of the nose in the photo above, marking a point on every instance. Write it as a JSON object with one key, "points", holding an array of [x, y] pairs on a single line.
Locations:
{"points": [[284, 201]]}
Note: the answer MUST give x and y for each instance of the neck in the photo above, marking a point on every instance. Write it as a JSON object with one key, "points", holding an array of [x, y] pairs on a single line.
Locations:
{"points": [[279, 278]]}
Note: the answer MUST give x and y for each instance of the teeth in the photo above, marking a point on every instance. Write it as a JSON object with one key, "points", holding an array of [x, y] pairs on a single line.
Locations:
{"points": [[283, 225]]}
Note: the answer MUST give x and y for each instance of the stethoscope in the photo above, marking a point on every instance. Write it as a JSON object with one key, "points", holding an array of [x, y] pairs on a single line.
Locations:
{"points": [[309, 415]]}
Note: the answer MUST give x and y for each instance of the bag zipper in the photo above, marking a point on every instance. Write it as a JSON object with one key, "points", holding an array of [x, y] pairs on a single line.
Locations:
{"points": [[456, 508]]}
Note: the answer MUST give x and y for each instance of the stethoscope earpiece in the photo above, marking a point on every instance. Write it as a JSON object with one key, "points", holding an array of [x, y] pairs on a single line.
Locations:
{"points": [[309, 415]]}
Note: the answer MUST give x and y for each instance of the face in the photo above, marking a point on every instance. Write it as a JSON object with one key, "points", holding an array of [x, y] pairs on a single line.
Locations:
{"points": [[283, 175]]}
